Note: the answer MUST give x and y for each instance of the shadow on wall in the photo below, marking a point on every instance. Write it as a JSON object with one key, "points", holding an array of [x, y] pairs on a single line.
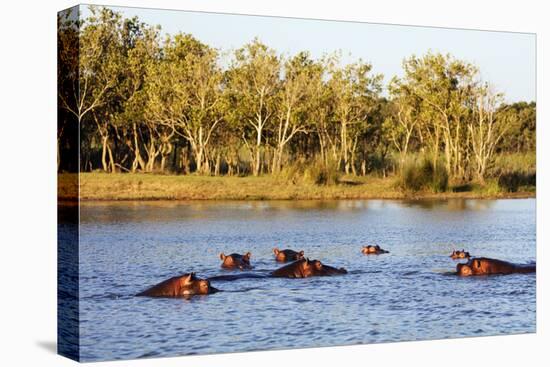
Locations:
{"points": [[48, 345]]}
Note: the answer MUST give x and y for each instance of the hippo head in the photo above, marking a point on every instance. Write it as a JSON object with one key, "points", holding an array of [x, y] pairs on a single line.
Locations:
{"points": [[191, 285], [367, 249], [373, 249], [460, 254], [311, 267], [317, 268], [472, 267], [464, 270], [236, 260], [287, 255], [246, 257]]}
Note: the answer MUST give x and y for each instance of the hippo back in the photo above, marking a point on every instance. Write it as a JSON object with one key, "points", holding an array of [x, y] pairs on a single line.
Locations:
{"points": [[292, 270]]}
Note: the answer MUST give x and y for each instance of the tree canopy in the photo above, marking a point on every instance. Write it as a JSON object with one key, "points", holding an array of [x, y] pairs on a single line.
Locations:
{"points": [[151, 104]]}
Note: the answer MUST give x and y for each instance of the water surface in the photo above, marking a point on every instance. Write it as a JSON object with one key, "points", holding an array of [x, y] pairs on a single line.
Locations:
{"points": [[404, 295]]}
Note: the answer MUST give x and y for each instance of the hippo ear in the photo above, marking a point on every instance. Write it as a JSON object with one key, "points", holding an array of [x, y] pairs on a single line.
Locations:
{"points": [[301, 253], [248, 255], [318, 265], [188, 278], [276, 251], [222, 256]]}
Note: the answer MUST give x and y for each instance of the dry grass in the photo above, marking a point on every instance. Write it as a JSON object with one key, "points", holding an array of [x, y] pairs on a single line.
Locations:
{"points": [[103, 186]]}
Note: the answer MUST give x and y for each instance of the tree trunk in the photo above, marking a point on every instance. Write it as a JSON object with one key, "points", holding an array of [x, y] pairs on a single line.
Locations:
{"points": [[58, 155], [112, 166], [138, 160], [217, 165], [166, 150], [104, 153]]}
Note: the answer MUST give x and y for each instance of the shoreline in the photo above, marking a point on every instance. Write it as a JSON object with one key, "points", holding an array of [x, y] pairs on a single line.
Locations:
{"points": [[103, 187]]}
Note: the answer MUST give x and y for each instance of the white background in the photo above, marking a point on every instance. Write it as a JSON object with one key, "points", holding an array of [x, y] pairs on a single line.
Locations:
{"points": [[28, 182]]}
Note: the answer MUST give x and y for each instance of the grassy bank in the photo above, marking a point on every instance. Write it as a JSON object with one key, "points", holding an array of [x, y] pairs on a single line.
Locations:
{"points": [[102, 186]]}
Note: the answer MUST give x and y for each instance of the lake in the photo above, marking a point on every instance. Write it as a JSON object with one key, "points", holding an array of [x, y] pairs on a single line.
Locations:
{"points": [[405, 295]]}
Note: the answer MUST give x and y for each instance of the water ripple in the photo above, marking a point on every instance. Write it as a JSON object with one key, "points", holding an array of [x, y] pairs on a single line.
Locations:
{"points": [[408, 294]]}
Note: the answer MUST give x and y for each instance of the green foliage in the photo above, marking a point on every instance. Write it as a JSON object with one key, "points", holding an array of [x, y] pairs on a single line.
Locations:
{"points": [[291, 173], [520, 118], [515, 171], [320, 173], [423, 175], [513, 181], [316, 173], [514, 162], [490, 187], [178, 106]]}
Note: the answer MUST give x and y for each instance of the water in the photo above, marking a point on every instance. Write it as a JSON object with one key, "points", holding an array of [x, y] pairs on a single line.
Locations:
{"points": [[405, 295]]}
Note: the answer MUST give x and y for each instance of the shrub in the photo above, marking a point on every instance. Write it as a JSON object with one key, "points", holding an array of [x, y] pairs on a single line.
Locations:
{"points": [[314, 173], [320, 173], [515, 171], [512, 181], [422, 174], [291, 173], [514, 162]]}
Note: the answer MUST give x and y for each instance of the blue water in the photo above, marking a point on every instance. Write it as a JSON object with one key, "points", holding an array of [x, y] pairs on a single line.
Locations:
{"points": [[405, 295]]}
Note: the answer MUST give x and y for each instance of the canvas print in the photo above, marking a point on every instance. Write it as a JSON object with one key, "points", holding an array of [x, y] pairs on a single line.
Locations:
{"points": [[232, 183]]}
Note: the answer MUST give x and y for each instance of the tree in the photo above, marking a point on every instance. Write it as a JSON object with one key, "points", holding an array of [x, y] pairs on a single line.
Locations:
{"points": [[142, 104], [521, 119], [185, 94], [253, 83], [485, 129], [98, 62], [402, 123], [444, 85], [68, 28], [141, 48], [301, 76], [355, 93]]}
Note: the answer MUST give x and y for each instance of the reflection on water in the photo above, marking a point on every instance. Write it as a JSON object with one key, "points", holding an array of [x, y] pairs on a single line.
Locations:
{"points": [[404, 295]]}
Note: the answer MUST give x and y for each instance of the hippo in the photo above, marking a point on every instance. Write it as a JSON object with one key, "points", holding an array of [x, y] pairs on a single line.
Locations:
{"points": [[373, 250], [287, 255], [305, 268], [181, 286], [486, 266], [236, 261], [460, 255]]}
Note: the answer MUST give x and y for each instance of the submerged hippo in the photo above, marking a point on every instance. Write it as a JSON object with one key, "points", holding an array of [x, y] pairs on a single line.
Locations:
{"points": [[287, 255], [180, 286], [460, 255], [236, 261], [485, 266], [373, 250], [305, 268]]}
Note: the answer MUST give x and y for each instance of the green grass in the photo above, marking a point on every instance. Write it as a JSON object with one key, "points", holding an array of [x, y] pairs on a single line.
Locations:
{"points": [[120, 186], [422, 174], [516, 162]]}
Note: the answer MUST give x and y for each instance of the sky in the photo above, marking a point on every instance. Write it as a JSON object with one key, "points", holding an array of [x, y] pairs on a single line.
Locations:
{"points": [[505, 59]]}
